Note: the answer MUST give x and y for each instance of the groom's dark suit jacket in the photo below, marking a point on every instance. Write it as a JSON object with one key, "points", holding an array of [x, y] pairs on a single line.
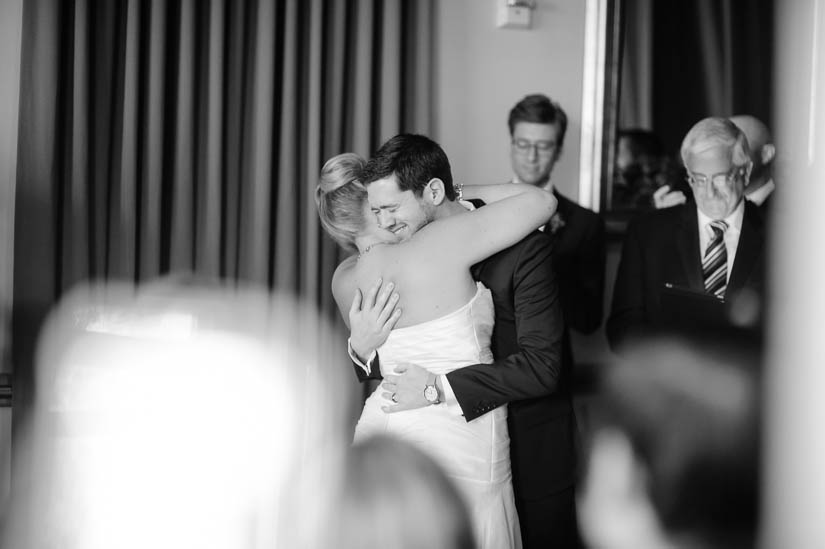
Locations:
{"points": [[528, 372], [662, 247], [579, 256]]}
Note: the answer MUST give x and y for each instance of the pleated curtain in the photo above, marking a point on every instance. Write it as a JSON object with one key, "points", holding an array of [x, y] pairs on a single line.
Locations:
{"points": [[186, 136], [709, 57]]}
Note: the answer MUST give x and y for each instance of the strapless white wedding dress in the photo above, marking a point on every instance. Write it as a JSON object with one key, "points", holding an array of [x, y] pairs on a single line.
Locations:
{"points": [[475, 454]]}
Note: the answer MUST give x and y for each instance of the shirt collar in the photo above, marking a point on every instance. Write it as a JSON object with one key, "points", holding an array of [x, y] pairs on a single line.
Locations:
{"points": [[547, 186], [734, 220], [467, 204]]}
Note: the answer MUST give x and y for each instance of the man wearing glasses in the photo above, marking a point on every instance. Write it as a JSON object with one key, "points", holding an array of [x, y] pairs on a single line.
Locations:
{"points": [[545, 501], [699, 264], [537, 127], [763, 153]]}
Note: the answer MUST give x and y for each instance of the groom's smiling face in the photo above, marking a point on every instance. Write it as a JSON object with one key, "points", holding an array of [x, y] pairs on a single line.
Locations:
{"points": [[400, 212]]}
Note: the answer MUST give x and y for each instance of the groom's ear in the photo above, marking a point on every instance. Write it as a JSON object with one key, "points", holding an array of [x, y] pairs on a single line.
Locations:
{"points": [[434, 191]]}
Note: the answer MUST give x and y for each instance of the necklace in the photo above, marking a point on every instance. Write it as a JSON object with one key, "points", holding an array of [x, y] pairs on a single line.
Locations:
{"points": [[368, 248]]}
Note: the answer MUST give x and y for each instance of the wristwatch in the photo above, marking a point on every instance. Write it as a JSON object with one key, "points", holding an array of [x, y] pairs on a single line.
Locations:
{"points": [[431, 391]]}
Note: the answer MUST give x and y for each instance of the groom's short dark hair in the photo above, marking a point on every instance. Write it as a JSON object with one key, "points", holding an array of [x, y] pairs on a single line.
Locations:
{"points": [[415, 160]]}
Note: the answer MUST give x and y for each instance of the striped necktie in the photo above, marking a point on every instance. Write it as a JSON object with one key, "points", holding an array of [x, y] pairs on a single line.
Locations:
{"points": [[715, 263]]}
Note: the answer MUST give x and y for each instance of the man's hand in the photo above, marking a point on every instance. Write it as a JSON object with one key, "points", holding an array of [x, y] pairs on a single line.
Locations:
{"points": [[407, 384], [372, 318], [665, 198]]}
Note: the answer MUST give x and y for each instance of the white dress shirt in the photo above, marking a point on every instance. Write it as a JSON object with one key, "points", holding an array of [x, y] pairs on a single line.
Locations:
{"points": [[734, 221], [547, 186]]}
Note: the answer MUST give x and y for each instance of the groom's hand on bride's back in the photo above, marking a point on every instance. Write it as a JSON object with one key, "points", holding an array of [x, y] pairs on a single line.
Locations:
{"points": [[372, 318]]}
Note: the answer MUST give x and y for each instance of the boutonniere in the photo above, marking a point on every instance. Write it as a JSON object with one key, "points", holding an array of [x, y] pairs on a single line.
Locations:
{"points": [[556, 222]]}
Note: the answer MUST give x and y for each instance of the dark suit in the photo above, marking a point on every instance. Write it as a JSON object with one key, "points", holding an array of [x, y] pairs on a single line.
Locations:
{"points": [[579, 253], [765, 207], [529, 375], [663, 247]]}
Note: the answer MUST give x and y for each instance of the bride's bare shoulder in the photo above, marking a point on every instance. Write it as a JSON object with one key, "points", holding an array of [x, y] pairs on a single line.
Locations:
{"points": [[345, 271], [344, 283], [347, 264]]}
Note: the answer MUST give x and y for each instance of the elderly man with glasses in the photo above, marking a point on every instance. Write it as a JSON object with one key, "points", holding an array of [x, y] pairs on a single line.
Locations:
{"points": [[762, 152], [698, 266]]}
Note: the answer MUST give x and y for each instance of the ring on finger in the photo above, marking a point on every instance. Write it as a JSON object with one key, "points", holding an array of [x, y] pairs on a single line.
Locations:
{"points": [[393, 398]]}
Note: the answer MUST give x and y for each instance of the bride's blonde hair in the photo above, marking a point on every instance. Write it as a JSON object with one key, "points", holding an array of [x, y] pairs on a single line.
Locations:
{"points": [[340, 197]]}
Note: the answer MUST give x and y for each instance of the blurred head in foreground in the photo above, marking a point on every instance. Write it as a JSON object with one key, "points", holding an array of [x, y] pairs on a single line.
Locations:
{"points": [[393, 496], [674, 461], [177, 417]]}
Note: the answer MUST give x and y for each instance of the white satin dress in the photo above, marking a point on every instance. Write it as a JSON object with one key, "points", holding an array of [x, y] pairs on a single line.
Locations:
{"points": [[475, 454]]}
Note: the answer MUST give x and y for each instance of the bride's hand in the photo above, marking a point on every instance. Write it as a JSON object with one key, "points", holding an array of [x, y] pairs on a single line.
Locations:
{"points": [[372, 319]]}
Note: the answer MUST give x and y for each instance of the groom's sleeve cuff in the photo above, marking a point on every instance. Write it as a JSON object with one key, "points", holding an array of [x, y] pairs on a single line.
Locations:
{"points": [[449, 398], [366, 367]]}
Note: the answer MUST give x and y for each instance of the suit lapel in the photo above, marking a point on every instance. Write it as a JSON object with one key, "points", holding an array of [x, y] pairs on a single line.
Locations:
{"points": [[747, 252], [563, 211], [562, 207], [687, 247]]}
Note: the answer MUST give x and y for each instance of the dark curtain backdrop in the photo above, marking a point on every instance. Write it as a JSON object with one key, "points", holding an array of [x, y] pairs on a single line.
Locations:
{"points": [[185, 136], [704, 58]]}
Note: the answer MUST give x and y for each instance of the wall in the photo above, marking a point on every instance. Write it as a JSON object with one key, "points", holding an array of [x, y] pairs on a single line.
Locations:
{"points": [[483, 71]]}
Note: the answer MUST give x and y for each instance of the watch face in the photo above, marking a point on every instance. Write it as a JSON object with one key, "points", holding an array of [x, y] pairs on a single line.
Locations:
{"points": [[431, 393]]}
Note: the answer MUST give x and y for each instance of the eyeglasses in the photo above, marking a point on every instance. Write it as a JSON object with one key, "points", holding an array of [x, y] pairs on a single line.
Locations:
{"points": [[718, 179], [541, 147]]}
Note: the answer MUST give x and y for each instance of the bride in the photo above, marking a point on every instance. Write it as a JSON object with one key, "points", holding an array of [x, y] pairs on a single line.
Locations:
{"points": [[447, 319]]}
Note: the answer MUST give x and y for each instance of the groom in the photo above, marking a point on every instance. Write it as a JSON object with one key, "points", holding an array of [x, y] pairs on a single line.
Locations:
{"points": [[527, 372]]}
